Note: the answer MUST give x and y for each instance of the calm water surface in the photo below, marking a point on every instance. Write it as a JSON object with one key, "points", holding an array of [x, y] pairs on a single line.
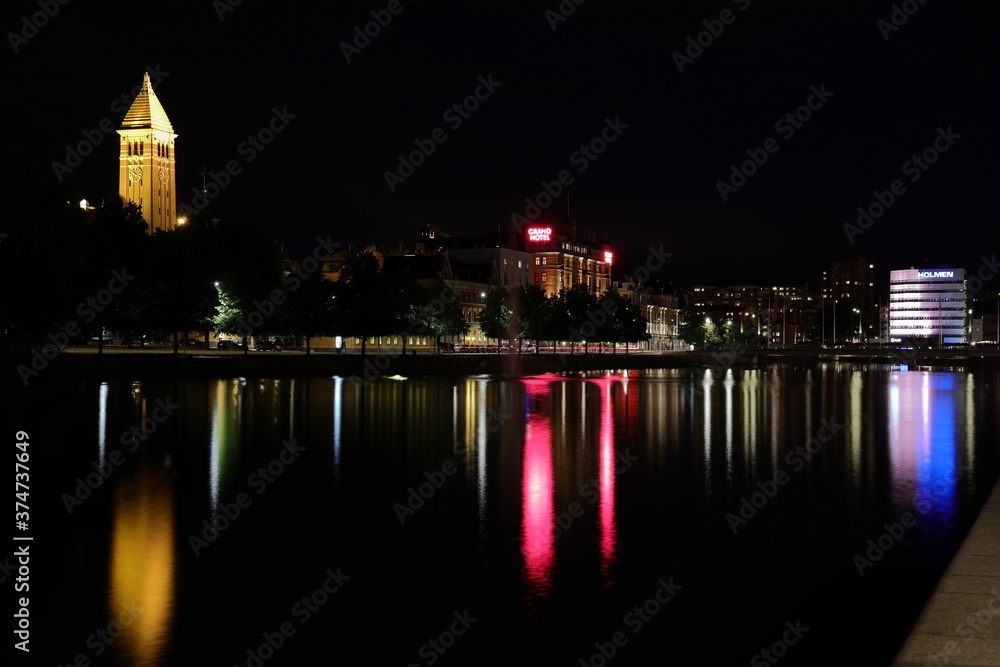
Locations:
{"points": [[688, 514]]}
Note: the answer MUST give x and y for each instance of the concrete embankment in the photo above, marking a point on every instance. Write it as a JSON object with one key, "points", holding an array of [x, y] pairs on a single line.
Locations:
{"points": [[960, 625]]}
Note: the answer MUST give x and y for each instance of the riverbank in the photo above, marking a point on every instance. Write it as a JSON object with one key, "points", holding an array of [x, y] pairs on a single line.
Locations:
{"points": [[73, 364]]}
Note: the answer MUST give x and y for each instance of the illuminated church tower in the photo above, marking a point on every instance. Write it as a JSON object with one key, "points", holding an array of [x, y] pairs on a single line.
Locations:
{"points": [[146, 173]]}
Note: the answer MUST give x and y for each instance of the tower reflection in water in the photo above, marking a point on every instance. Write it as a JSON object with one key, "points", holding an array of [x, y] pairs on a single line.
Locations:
{"points": [[142, 568]]}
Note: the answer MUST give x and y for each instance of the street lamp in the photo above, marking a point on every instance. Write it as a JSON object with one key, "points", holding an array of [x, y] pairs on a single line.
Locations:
{"points": [[855, 310]]}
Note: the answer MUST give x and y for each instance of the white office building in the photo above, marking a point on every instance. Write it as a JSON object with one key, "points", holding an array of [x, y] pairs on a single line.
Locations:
{"points": [[927, 306]]}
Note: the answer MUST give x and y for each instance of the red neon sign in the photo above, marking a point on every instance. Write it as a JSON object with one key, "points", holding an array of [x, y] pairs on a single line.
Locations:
{"points": [[607, 257], [539, 233]]}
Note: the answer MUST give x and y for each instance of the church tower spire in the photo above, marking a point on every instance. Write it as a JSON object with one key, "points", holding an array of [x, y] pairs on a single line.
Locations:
{"points": [[146, 173]]}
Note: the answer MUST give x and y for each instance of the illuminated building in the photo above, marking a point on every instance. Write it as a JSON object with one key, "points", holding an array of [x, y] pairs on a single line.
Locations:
{"points": [[927, 305], [561, 259], [146, 172], [470, 282], [660, 311], [782, 311]]}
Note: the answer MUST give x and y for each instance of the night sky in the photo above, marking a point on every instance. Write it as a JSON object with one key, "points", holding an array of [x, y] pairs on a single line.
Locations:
{"points": [[656, 184]]}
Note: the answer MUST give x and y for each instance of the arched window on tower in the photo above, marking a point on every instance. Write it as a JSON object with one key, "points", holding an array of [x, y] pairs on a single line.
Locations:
{"points": [[142, 148]]}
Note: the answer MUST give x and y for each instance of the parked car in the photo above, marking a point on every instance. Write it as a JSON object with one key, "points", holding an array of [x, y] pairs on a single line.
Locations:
{"points": [[268, 346], [228, 344], [193, 342]]}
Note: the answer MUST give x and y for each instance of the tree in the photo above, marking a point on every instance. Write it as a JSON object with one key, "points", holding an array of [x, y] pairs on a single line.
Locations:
{"points": [[692, 329], [174, 292], [249, 272], [534, 315], [495, 319], [439, 312], [116, 240], [625, 322], [307, 310], [581, 311], [370, 303]]}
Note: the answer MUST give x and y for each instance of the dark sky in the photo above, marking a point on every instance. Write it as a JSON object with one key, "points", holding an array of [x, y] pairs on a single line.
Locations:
{"points": [[656, 184]]}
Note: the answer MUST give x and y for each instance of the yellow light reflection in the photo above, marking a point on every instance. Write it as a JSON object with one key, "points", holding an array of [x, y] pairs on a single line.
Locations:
{"points": [[142, 564]]}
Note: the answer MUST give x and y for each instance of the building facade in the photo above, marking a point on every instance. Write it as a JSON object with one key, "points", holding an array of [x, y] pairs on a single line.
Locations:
{"points": [[661, 312], [146, 160], [562, 260], [927, 306], [780, 312], [847, 291]]}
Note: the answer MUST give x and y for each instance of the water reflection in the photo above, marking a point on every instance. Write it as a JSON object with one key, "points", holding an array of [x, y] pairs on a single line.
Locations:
{"points": [[607, 477], [539, 477], [142, 569], [924, 442], [538, 530], [337, 410], [226, 410], [102, 423], [704, 441]]}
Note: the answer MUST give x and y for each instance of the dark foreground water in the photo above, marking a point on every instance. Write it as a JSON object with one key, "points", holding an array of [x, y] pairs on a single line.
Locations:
{"points": [[683, 517]]}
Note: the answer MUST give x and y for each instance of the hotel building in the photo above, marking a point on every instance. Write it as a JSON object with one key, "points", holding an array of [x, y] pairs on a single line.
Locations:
{"points": [[562, 259], [927, 306]]}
